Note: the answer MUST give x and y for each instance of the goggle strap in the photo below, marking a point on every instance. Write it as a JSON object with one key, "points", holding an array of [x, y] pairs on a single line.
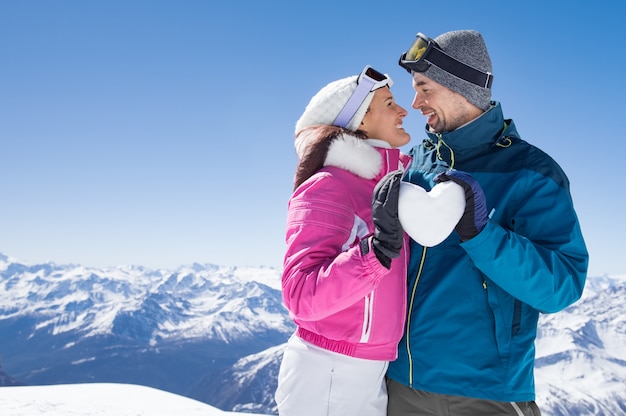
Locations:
{"points": [[348, 111], [459, 69]]}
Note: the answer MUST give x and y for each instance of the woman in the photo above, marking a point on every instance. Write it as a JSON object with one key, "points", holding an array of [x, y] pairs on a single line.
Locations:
{"points": [[344, 278]]}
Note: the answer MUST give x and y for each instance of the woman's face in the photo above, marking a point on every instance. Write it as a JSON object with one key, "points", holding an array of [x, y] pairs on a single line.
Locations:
{"points": [[383, 119]]}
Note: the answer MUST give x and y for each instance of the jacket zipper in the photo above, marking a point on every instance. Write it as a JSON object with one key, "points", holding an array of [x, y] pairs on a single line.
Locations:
{"points": [[409, 313]]}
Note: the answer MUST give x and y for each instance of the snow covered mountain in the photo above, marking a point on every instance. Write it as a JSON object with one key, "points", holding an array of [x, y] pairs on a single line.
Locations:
{"points": [[249, 385], [197, 301], [581, 353], [170, 330], [216, 334]]}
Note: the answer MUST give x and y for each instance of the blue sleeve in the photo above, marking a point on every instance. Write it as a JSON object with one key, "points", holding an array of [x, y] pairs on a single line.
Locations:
{"points": [[540, 256]]}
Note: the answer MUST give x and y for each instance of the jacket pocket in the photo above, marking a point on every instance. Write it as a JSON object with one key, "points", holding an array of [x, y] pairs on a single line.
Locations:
{"points": [[368, 308]]}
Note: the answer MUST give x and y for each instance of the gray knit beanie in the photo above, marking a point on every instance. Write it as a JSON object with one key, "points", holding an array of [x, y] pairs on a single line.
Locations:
{"points": [[468, 47]]}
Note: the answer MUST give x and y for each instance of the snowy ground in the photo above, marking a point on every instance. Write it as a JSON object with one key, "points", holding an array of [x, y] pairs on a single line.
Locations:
{"points": [[100, 399]]}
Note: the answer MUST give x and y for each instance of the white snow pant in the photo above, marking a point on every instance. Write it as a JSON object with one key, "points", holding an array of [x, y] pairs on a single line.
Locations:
{"points": [[316, 382]]}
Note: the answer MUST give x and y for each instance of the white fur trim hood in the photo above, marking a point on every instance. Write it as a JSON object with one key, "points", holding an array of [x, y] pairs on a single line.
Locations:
{"points": [[348, 152]]}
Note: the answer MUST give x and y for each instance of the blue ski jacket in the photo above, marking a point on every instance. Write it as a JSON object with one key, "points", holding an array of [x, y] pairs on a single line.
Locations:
{"points": [[473, 307]]}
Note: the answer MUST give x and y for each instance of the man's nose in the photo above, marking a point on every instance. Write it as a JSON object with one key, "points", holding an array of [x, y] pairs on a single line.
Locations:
{"points": [[418, 101]]}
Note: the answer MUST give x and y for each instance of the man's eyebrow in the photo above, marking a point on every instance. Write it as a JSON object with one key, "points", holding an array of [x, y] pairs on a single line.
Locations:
{"points": [[419, 83]]}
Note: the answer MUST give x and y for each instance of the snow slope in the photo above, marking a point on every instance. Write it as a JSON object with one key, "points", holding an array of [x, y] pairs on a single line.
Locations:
{"points": [[100, 399]]}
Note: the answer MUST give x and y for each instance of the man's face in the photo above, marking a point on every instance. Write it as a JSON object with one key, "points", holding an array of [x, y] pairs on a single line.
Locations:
{"points": [[444, 109]]}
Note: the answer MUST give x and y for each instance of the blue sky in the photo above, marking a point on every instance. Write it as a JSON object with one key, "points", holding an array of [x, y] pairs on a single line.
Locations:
{"points": [[160, 133]]}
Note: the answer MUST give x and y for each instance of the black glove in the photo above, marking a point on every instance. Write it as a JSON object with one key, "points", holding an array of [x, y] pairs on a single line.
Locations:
{"points": [[388, 234], [475, 216]]}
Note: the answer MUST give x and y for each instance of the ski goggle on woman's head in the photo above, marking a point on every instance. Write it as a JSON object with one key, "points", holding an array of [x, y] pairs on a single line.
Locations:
{"points": [[425, 52], [369, 80]]}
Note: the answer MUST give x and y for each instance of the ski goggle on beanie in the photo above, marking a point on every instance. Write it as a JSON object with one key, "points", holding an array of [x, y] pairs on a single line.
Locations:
{"points": [[425, 52], [369, 80]]}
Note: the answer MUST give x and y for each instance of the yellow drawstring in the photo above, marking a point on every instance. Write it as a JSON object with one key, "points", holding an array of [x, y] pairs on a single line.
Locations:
{"points": [[439, 142], [504, 142]]}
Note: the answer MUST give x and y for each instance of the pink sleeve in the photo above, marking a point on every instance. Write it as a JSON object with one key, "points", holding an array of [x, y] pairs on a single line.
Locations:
{"points": [[324, 269]]}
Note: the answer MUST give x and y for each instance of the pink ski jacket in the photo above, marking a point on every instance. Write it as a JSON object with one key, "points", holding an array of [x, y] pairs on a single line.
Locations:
{"points": [[338, 294]]}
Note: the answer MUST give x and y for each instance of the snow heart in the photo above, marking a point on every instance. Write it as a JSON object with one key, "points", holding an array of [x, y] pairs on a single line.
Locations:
{"points": [[430, 217]]}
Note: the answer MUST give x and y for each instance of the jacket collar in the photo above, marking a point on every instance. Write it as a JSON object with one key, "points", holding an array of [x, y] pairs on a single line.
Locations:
{"points": [[485, 131]]}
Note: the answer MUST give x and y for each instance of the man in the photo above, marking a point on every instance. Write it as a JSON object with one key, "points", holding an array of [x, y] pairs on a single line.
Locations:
{"points": [[518, 251]]}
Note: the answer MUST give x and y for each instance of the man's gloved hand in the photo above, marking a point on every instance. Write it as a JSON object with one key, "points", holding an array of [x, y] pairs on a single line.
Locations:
{"points": [[475, 216], [388, 233]]}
